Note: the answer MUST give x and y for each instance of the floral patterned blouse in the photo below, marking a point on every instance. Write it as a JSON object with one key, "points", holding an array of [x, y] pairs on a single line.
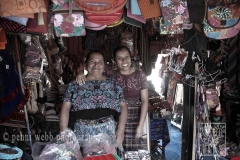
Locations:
{"points": [[94, 94]]}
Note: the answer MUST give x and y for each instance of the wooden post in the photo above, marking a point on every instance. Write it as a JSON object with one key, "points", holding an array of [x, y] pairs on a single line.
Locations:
{"points": [[22, 86], [194, 111]]}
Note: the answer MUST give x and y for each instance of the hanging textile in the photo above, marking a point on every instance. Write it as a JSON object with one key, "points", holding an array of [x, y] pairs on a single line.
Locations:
{"points": [[12, 98]]}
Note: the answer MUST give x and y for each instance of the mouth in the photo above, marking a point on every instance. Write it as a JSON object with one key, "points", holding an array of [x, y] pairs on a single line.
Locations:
{"points": [[124, 65]]}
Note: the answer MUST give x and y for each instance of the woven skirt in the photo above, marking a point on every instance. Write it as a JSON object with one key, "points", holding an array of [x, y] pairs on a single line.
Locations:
{"points": [[130, 143]]}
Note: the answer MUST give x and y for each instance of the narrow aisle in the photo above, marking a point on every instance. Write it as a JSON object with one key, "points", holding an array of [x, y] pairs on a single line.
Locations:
{"points": [[173, 148]]}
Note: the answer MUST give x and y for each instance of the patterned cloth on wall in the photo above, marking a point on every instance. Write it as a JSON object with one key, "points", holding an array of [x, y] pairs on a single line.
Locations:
{"points": [[173, 80]]}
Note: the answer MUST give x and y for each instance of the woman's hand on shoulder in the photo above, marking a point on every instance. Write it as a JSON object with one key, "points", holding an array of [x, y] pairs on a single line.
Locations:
{"points": [[81, 78]]}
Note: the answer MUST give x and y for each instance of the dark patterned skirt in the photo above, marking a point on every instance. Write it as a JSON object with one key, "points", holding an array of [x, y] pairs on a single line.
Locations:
{"points": [[130, 143]]}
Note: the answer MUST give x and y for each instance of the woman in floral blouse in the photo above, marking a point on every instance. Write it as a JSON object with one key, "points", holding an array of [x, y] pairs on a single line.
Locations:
{"points": [[96, 105], [135, 86]]}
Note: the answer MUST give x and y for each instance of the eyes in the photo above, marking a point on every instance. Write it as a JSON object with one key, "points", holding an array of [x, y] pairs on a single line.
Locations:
{"points": [[123, 58], [93, 62]]}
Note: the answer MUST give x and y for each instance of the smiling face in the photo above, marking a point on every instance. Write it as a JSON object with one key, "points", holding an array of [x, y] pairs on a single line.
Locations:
{"points": [[123, 60], [95, 64]]}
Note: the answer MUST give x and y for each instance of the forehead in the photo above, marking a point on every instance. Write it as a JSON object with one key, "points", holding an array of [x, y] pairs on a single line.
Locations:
{"points": [[96, 56], [122, 52]]}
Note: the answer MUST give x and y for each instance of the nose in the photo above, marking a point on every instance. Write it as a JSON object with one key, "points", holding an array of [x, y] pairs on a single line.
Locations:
{"points": [[125, 59], [96, 64]]}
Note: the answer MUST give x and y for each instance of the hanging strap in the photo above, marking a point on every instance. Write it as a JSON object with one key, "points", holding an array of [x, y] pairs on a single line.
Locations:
{"points": [[70, 19]]}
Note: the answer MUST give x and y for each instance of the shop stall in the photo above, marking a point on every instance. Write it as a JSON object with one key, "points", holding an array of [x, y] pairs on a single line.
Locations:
{"points": [[190, 48]]}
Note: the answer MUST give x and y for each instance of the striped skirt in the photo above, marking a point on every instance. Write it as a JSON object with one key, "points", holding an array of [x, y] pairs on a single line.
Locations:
{"points": [[130, 143]]}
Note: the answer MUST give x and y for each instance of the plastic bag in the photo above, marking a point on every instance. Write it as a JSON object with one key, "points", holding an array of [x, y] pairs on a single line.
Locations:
{"points": [[98, 145], [63, 147], [37, 149]]}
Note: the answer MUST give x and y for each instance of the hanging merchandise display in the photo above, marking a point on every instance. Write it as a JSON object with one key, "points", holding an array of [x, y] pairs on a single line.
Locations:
{"points": [[68, 19], [35, 58], [173, 80], [174, 15], [33, 22], [155, 32], [116, 23], [157, 44], [21, 7], [127, 39], [20, 20], [134, 16], [135, 9], [104, 19], [52, 47], [178, 58], [11, 26], [222, 22], [32, 103], [39, 23], [152, 5], [131, 21], [36, 42], [101, 6], [212, 98], [11, 95], [96, 5], [93, 26]]}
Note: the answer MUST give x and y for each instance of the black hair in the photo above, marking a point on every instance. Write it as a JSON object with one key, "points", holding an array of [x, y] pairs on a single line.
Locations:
{"points": [[120, 48], [94, 51]]}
